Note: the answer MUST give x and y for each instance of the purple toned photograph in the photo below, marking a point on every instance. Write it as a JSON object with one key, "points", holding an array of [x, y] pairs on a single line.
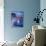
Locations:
{"points": [[17, 18]]}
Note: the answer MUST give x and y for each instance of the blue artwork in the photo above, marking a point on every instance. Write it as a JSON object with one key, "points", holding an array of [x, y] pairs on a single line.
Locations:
{"points": [[17, 18]]}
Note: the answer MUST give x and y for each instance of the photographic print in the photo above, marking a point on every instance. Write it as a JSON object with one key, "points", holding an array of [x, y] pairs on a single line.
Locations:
{"points": [[17, 18]]}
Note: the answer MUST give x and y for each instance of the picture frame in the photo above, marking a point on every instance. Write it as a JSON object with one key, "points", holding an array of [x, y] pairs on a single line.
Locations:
{"points": [[17, 19]]}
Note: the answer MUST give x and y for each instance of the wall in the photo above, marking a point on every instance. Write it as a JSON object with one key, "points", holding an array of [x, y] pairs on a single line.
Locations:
{"points": [[43, 6], [29, 7], [1, 21]]}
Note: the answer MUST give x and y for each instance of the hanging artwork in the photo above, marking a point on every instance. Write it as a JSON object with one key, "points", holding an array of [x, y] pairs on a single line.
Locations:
{"points": [[17, 18]]}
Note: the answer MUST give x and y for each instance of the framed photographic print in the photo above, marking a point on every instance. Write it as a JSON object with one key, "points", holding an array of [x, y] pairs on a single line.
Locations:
{"points": [[17, 18]]}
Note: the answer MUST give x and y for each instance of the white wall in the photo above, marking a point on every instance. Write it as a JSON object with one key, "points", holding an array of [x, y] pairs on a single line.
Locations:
{"points": [[1, 21]]}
